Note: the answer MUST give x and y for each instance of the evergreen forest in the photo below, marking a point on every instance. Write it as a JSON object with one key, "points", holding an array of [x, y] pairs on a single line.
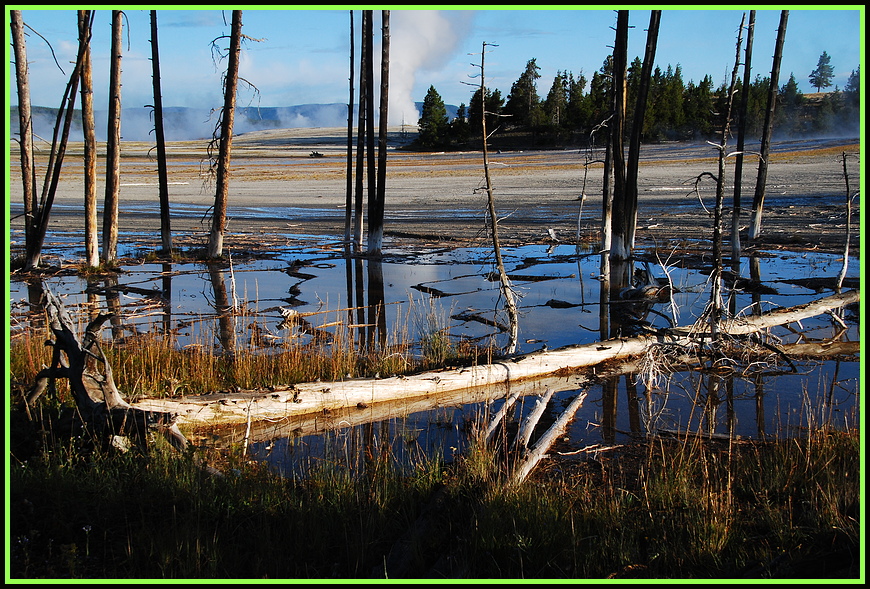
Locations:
{"points": [[574, 108]]}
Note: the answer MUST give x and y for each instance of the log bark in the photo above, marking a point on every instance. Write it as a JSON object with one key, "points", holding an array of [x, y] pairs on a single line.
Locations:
{"points": [[520, 374]]}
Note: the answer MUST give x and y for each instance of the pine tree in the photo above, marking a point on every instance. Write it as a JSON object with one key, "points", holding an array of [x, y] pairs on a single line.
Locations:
{"points": [[556, 104], [523, 103], [433, 121], [823, 74]]}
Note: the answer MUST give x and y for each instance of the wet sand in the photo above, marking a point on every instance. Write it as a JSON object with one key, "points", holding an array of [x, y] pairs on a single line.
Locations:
{"points": [[279, 192]]}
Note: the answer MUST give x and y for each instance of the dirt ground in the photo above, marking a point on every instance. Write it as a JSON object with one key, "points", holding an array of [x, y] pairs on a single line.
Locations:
{"points": [[279, 191]]}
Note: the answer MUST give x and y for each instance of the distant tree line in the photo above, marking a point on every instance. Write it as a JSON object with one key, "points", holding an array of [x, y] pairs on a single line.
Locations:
{"points": [[677, 110]]}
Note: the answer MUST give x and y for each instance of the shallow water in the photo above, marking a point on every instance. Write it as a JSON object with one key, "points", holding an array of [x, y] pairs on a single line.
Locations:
{"points": [[451, 289]]}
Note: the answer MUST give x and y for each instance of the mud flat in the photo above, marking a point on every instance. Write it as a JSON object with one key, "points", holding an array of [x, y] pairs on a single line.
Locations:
{"points": [[279, 189]]}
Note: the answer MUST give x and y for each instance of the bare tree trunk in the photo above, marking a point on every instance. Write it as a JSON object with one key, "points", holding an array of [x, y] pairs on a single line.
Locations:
{"points": [[219, 215], [629, 208], [506, 289], [741, 142], [618, 247], [841, 275], [113, 146], [92, 246], [162, 173], [376, 205], [360, 136], [59, 140], [25, 123], [371, 172], [761, 182], [348, 205], [606, 243], [716, 304]]}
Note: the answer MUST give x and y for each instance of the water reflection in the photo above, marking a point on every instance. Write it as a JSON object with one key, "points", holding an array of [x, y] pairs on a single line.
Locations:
{"points": [[560, 296]]}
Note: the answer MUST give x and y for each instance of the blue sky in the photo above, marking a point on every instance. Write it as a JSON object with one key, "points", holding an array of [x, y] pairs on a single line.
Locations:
{"points": [[303, 57]]}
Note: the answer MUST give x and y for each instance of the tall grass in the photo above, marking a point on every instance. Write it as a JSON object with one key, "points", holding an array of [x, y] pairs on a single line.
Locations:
{"points": [[152, 363], [665, 508], [672, 509]]}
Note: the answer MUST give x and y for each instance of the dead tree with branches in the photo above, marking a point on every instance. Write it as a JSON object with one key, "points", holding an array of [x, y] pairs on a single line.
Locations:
{"points": [[228, 113], [60, 137], [507, 291]]}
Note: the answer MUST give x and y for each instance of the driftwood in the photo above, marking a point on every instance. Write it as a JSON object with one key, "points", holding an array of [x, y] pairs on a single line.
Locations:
{"points": [[102, 408], [521, 375]]}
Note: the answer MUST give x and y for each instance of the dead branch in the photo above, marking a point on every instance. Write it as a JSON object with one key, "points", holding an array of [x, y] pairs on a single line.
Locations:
{"points": [[101, 406]]}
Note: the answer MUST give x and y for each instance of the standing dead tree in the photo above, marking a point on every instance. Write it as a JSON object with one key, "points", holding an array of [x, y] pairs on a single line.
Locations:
{"points": [[348, 204], [507, 291], [160, 139], [364, 73], [619, 254], [716, 306], [841, 275], [761, 182], [42, 211], [627, 217], [231, 82], [92, 247], [741, 142], [113, 146], [25, 122], [377, 201]]}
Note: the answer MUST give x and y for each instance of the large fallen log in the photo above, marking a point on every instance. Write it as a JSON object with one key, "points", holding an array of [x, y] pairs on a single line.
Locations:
{"points": [[497, 379]]}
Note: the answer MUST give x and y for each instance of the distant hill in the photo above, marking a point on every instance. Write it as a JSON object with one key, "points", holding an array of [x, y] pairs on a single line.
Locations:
{"points": [[184, 123]]}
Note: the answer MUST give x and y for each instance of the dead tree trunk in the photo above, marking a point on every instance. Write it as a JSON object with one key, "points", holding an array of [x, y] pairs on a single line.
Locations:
{"points": [[507, 291], [59, 140], [228, 113], [103, 410], [376, 205], [531, 370], [113, 146], [716, 306], [162, 173], [25, 123], [371, 172], [741, 142], [348, 204], [360, 136], [92, 245], [629, 208], [618, 250], [761, 182], [841, 275]]}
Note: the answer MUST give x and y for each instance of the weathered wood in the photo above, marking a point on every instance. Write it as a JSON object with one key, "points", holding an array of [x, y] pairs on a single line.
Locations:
{"points": [[499, 378], [537, 452], [101, 406]]}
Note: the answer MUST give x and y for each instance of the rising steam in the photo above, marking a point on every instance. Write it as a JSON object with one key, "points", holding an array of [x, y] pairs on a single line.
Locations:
{"points": [[421, 41]]}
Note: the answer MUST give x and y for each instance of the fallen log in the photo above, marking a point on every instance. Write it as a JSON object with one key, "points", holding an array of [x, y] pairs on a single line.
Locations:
{"points": [[497, 379]]}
